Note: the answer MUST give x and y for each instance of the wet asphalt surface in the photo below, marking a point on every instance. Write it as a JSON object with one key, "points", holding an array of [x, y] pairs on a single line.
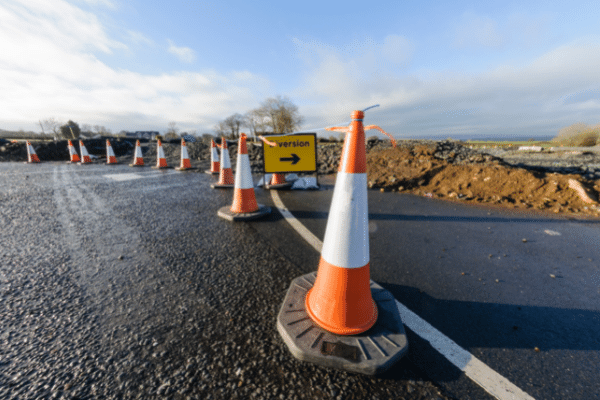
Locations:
{"points": [[498, 282], [117, 282]]}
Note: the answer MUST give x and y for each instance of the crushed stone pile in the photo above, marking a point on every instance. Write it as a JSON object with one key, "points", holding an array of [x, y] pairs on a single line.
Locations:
{"points": [[448, 170]]}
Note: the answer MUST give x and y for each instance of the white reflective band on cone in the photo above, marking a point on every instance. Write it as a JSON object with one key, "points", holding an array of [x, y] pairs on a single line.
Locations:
{"points": [[346, 242], [184, 153], [243, 173], [138, 152], [214, 154], [161, 152], [225, 163]]}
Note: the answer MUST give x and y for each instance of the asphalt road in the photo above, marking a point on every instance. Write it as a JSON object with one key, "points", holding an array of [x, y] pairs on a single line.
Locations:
{"points": [[123, 283], [500, 283]]}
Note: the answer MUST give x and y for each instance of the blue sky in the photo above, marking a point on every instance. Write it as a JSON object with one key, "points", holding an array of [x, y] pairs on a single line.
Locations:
{"points": [[460, 69]]}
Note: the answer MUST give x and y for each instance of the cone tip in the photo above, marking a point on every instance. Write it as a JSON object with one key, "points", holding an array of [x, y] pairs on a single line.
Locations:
{"points": [[357, 114]]}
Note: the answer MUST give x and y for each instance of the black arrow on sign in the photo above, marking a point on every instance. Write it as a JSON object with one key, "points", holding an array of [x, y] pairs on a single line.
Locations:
{"points": [[294, 159]]}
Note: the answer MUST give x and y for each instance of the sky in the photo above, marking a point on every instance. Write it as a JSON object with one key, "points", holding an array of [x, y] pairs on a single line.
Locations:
{"points": [[461, 69]]}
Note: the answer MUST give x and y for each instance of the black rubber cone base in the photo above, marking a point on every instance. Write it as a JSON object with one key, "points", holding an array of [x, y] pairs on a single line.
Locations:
{"points": [[281, 186], [208, 171], [136, 165], [219, 186], [157, 167], [226, 213], [185, 169], [370, 353]]}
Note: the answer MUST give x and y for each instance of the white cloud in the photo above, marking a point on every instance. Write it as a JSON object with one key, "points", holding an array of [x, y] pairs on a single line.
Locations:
{"points": [[139, 38], [554, 90], [49, 67], [185, 54]]}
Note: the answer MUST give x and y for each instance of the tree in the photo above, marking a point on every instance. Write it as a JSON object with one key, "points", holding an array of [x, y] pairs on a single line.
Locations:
{"points": [[255, 120], [70, 130], [233, 123], [172, 128], [51, 125], [220, 129], [280, 114]]}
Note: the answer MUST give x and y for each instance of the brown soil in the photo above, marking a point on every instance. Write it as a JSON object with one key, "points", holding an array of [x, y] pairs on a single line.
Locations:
{"points": [[416, 170]]}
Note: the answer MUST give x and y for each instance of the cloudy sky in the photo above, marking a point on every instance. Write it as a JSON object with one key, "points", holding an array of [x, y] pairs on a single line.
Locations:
{"points": [[466, 69]]}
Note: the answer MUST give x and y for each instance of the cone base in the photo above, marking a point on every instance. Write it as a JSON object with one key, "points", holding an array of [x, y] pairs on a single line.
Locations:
{"points": [[280, 186], [221, 186], [136, 165], [157, 167], [208, 171], [185, 169], [370, 353], [226, 213]]}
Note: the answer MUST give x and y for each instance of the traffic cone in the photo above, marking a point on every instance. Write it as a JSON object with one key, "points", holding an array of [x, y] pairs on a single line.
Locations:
{"points": [[340, 318], [31, 156], [214, 159], [340, 300], [225, 172], [278, 182], [138, 160], [85, 157], [244, 205], [110, 154], [185, 158], [73, 153], [161, 161]]}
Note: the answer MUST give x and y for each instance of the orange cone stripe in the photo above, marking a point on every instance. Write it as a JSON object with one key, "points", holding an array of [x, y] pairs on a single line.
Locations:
{"points": [[244, 201], [226, 177], [215, 166], [340, 301]]}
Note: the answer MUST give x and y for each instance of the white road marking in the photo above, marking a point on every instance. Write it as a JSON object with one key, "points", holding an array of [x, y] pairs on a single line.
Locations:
{"points": [[133, 175], [491, 381], [552, 233]]}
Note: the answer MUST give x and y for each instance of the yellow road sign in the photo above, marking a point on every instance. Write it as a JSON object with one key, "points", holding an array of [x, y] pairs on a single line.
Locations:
{"points": [[293, 153]]}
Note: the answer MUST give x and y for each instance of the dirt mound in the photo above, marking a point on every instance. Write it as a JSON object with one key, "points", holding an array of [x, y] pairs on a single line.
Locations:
{"points": [[476, 178]]}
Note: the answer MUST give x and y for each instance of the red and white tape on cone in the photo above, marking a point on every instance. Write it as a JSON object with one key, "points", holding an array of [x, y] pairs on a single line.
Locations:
{"points": [[31, 155], [85, 157], [138, 160], [110, 154], [340, 300], [73, 156]]}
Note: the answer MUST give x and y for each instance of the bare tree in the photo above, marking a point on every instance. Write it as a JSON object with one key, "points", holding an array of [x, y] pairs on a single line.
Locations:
{"points": [[51, 125], [220, 129], [233, 124], [281, 114], [255, 120]]}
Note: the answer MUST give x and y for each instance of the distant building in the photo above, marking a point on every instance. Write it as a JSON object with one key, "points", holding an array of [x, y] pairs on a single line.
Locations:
{"points": [[150, 135]]}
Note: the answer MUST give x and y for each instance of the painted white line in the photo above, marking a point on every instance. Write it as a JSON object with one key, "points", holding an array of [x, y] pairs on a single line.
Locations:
{"points": [[132, 175], [551, 233], [297, 225], [491, 381]]}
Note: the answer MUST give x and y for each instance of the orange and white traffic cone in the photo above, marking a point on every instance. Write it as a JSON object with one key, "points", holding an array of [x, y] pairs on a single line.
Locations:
{"points": [[214, 159], [110, 154], [244, 205], [161, 161], [85, 157], [185, 158], [74, 158], [225, 173], [31, 155], [333, 319], [278, 182], [340, 300], [138, 160]]}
